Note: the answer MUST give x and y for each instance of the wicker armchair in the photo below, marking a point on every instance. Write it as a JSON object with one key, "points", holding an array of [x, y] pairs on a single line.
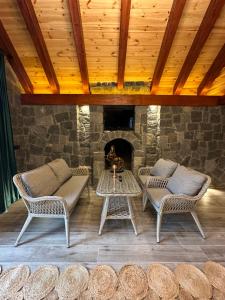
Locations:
{"points": [[144, 175], [47, 206], [174, 203]]}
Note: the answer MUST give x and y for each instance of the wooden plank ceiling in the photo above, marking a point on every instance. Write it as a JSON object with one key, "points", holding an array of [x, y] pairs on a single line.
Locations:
{"points": [[69, 46]]}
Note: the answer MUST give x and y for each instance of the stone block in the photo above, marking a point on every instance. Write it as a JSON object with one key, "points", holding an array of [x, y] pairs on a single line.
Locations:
{"points": [[64, 116], [196, 116], [36, 150], [53, 129], [67, 148], [192, 126], [67, 124]]}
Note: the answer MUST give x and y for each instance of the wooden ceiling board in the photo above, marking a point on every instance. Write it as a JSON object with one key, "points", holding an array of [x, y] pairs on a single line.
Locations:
{"points": [[15, 27], [193, 13], [52, 17], [101, 30], [147, 21], [101, 20]]}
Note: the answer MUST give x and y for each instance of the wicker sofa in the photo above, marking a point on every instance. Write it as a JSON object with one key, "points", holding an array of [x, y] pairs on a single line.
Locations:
{"points": [[52, 191], [178, 194]]}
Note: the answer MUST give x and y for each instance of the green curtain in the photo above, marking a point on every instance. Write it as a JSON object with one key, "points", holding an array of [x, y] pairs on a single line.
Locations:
{"points": [[8, 192]]}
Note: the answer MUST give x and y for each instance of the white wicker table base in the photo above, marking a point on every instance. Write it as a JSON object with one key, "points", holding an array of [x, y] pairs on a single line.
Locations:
{"points": [[117, 208]]}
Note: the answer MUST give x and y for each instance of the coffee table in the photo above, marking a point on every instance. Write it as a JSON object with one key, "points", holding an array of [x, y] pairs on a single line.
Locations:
{"points": [[117, 193]]}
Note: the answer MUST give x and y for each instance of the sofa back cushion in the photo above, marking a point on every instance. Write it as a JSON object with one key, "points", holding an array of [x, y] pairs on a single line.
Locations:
{"points": [[185, 181], [61, 169], [40, 181], [164, 168]]}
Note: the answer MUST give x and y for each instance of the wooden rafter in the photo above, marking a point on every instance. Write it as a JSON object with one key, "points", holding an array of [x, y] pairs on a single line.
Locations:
{"points": [[33, 27], [74, 9], [13, 58], [124, 27], [213, 72], [104, 99], [171, 29], [210, 17]]}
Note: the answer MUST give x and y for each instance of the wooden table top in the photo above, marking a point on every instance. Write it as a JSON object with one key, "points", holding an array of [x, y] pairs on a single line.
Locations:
{"points": [[128, 186]]}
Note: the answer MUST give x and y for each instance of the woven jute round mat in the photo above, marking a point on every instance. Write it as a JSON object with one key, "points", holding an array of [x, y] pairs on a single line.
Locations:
{"points": [[184, 295], [215, 274], [119, 294], [41, 283], [53, 295], [72, 282], [133, 281], [218, 295], [16, 296], [103, 282], [193, 280], [151, 295], [162, 281], [12, 280], [86, 295]]}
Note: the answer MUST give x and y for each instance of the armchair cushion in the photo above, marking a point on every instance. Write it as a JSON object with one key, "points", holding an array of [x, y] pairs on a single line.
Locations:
{"points": [[70, 191], [164, 168], [186, 181], [61, 169], [156, 195], [35, 181]]}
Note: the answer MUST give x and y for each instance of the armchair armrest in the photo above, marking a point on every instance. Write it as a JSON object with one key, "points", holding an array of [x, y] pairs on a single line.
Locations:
{"points": [[51, 205], [145, 170], [156, 181], [80, 171], [178, 203]]}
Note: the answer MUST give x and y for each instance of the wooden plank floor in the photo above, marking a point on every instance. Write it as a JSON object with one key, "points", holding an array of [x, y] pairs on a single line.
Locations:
{"points": [[44, 241]]}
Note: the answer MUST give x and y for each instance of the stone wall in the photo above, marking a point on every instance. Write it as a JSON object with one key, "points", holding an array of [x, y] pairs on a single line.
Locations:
{"points": [[191, 136], [195, 137]]}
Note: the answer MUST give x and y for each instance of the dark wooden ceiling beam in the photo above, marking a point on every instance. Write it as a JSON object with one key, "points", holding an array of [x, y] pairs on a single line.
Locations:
{"points": [[33, 27], [74, 9], [104, 99], [207, 24], [213, 72], [171, 29], [124, 27], [14, 60]]}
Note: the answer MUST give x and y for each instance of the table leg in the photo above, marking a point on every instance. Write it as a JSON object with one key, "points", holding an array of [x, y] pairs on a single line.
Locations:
{"points": [[131, 214], [104, 214]]}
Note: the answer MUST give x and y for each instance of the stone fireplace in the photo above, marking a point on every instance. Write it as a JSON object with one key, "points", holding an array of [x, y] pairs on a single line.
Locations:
{"points": [[98, 140]]}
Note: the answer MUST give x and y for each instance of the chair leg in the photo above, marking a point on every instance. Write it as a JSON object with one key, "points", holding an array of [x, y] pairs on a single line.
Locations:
{"points": [[159, 221], [144, 201], [67, 229], [88, 190], [26, 224], [195, 217]]}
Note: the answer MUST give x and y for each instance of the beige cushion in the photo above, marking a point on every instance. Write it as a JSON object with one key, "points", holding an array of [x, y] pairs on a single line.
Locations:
{"points": [[72, 189], [61, 169], [185, 181], [156, 195], [164, 168], [40, 182]]}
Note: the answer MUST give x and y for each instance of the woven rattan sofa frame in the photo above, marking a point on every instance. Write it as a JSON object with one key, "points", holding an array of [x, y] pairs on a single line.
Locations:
{"points": [[47, 206], [175, 203]]}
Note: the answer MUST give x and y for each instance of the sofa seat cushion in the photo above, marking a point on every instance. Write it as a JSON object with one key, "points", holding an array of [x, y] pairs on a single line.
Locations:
{"points": [[71, 190], [143, 179], [185, 181], [164, 168], [40, 181], [61, 169], [156, 195]]}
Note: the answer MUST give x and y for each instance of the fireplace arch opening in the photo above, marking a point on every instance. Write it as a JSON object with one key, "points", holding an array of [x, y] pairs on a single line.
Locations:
{"points": [[123, 149]]}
